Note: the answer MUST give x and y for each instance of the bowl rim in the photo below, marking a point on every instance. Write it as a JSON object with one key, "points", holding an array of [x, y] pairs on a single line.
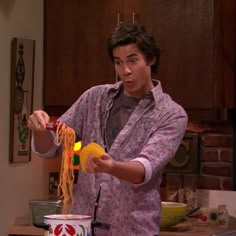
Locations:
{"points": [[173, 204]]}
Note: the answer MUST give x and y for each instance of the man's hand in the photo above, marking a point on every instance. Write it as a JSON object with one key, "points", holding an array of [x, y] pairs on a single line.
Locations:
{"points": [[38, 120], [131, 171], [102, 164]]}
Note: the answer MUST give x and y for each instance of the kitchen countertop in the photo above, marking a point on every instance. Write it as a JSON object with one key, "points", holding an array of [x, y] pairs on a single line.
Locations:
{"points": [[193, 231], [25, 230], [181, 230]]}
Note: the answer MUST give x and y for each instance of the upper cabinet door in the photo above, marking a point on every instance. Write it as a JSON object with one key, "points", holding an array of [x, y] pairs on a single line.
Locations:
{"points": [[198, 48], [75, 55]]}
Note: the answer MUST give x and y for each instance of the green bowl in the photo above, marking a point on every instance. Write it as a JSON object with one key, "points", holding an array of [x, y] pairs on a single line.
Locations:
{"points": [[172, 213]]}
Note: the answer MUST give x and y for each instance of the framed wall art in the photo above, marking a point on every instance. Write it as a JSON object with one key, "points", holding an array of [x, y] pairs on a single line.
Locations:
{"points": [[22, 84]]}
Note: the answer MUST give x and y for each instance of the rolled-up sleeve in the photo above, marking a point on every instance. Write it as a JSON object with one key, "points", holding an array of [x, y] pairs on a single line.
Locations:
{"points": [[162, 145], [148, 169]]}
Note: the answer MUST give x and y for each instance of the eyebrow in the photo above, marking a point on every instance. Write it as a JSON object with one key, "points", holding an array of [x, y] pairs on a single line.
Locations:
{"points": [[131, 55]]}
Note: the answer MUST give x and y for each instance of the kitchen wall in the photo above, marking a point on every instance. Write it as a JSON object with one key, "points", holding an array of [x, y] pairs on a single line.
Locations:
{"points": [[19, 182], [214, 198], [215, 154], [215, 159]]}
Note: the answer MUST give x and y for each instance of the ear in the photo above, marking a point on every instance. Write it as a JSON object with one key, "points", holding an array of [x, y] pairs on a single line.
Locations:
{"points": [[151, 62]]}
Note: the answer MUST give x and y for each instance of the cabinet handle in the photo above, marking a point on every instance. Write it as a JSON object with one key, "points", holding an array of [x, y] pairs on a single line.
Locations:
{"points": [[118, 19], [133, 17], [118, 23]]}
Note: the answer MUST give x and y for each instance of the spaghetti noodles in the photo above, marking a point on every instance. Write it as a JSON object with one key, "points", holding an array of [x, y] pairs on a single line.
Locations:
{"points": [[65, 136]]}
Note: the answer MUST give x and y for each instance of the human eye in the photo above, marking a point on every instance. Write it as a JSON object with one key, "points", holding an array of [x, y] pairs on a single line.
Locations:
{"points": [[132, 60], [117, 62]]}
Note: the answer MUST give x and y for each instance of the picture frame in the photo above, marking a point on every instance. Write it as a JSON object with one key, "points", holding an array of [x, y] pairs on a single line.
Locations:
{"points": [[21, 106]]}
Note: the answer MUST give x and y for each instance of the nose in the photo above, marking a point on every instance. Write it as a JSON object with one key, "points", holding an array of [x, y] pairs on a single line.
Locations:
{"points": [[126, 70]]}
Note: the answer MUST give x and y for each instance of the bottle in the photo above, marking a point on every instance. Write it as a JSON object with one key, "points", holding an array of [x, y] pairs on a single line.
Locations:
{"points": [[173, 182], [223, 216]]}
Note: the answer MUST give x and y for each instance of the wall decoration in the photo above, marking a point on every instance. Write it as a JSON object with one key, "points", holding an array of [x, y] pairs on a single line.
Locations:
{"points": [[22, 84]]}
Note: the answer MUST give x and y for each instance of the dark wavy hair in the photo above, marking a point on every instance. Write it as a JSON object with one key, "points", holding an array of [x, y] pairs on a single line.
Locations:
{"points": [[126, 34]]}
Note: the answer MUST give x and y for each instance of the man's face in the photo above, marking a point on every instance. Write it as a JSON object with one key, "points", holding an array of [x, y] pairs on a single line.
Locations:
{"points": [[133, 69]]}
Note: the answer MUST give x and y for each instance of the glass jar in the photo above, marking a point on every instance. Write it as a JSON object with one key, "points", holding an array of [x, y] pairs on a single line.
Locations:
{"points": [[223, 216]]}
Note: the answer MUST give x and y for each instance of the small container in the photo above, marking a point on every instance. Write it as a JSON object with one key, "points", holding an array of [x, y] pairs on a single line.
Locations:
{"points": [[223, 216], [40, 208], [208, 216]]}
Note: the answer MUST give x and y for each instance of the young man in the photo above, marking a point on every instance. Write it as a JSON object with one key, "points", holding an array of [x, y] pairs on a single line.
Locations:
{"points": [[138, 125]]}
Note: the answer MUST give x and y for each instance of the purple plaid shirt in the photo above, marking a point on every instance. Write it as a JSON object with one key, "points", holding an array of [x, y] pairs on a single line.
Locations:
{"points": [[151, 136]]}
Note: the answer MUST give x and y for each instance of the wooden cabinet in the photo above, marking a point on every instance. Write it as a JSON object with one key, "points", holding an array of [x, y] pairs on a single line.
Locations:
{"points": [[75, 54], [197, 41], [198, 49]]}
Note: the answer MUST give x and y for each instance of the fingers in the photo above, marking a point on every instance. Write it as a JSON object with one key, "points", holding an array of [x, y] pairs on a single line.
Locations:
{"points": [[37, 120], [45, 117], [105, 156], [92, 164], [96, 165]]}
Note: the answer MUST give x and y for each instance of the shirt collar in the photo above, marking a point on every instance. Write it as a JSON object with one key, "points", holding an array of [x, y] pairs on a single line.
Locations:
{"points": [[156, 92]]}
